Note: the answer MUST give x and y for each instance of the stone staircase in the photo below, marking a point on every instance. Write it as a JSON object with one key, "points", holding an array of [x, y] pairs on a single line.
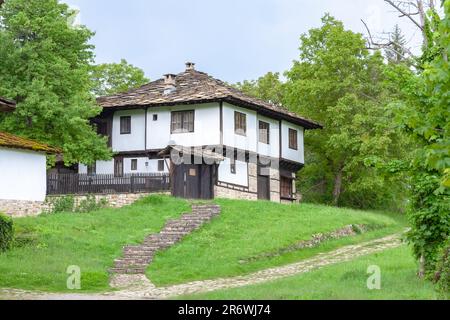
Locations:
{"points": [[136, 259]]}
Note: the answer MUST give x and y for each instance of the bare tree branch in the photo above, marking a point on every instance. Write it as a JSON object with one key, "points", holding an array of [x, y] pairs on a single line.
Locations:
{"points": [[404, 13]]}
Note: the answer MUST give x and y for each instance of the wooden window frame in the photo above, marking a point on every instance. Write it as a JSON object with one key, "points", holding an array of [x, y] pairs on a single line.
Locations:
{"points": [[134, 164], [117, 172], [286, 188], [159, 165], [240, 123], [266, 136], [183, 113], [92, 169], [125, 129], [293, 139]]}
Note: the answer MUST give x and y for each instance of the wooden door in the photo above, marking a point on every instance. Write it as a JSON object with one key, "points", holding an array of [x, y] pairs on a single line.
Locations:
{"points": [[192, 181], [263, 184]]}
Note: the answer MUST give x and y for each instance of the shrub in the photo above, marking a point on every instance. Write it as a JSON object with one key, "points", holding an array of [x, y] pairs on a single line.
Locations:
{"points": [[442, 275], [62, 204], [6, 232], [90, 204]]}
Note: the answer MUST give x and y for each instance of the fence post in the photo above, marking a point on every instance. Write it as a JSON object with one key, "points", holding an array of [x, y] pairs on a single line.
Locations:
{"points": [[131, 183]]}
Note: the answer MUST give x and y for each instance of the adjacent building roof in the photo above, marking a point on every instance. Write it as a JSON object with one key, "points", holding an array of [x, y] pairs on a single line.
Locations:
{"points": [[192, 87], [8, 140], [6, 105]]}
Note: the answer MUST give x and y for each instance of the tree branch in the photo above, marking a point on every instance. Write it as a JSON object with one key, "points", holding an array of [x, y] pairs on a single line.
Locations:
{"points": [[404, 13]]}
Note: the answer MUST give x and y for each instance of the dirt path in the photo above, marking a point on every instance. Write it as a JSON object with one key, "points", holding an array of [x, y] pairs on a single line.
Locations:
{"points": [[139, 287]]}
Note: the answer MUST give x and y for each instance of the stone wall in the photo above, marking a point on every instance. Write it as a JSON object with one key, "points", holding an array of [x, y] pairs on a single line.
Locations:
{"points": [[228, 193], [19, 209]]}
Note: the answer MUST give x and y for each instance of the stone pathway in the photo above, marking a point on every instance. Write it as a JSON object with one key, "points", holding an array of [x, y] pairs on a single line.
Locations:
{"points": [[137, 286], [136, 259]]}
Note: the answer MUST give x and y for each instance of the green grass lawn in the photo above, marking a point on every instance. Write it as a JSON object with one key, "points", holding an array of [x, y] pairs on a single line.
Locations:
{"points": [[342, 281], [245, 229], [89, 240]]}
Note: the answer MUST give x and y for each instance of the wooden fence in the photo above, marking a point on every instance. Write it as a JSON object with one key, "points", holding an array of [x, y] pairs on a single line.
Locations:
{"points": [[73, 183]]}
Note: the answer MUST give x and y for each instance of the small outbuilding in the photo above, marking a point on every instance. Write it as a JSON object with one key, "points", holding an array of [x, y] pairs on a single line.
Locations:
{"points": [[23, 167]]}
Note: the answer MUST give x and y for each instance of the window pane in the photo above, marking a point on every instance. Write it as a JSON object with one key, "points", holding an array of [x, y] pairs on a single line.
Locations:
{"points": [[240, 123], [264, 132], [160, 165], [182, 121], [134, 164], [125, 125], [293, 139]]}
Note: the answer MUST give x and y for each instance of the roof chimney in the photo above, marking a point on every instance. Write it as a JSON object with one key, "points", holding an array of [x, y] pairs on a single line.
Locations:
{"points": [[169, 83], [190, 66]]}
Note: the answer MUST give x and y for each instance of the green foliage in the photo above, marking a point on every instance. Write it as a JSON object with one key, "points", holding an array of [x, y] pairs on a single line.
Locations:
{"points": [[339, 84], [45, 62], [90, 204], [442, 275], [425, 116], [396, 51], [6, 232], [62, 204], [268, 87], [110, 78]]}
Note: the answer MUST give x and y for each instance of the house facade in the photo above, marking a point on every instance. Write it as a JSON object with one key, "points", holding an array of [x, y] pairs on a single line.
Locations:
{"points": [[23, 167], [212, 139]]}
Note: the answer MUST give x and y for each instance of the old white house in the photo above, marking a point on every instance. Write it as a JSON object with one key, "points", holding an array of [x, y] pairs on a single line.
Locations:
{"points": [[22, 169], [257, 147]]}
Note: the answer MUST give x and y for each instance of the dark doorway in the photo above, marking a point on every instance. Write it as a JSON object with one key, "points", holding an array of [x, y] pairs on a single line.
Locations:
{"points": [[193, 181], [263, 183]]}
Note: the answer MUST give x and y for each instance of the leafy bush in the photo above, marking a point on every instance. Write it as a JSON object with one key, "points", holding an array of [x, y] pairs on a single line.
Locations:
{"points": [[62, 204], [6, 232], [443, 271], [90, 204]]}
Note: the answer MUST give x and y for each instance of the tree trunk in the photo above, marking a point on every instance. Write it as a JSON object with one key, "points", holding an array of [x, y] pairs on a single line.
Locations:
{"points": [[421, 273], [337, 187]]}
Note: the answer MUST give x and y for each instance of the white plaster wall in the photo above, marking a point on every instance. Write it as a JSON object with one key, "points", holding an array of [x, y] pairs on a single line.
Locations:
{"points": [[23, 175], [107, 167], [241, 176], [102, 167], [142, 168], [129, 142], [273, 148], [230, 138], [287, 153], [206, 126]]}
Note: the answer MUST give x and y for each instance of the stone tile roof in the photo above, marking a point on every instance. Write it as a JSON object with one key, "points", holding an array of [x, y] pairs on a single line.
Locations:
{"points": [[8, 140], [6, 105], [192, 87]]}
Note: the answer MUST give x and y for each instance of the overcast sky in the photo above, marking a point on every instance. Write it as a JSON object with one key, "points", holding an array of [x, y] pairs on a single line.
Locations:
{"points": [[232, 40]]}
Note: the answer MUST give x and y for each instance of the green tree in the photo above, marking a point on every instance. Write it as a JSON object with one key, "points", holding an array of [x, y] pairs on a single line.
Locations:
{"points": [[268, 87], [426, 117], [396, 51], [339, 84], [110, 78], [45, 63]]}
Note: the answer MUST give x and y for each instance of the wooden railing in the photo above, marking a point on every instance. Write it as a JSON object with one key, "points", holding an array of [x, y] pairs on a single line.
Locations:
{"points": [[72, 183]]}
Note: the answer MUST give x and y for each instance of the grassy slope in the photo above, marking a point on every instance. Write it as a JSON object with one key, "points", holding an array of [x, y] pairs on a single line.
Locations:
{"points": [[342, 281], [91, 241], [245, 229]]}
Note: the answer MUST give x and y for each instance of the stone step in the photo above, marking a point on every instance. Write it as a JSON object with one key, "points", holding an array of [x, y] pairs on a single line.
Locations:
{"points": [[132, 261], [128, 270], [136, 258]]}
